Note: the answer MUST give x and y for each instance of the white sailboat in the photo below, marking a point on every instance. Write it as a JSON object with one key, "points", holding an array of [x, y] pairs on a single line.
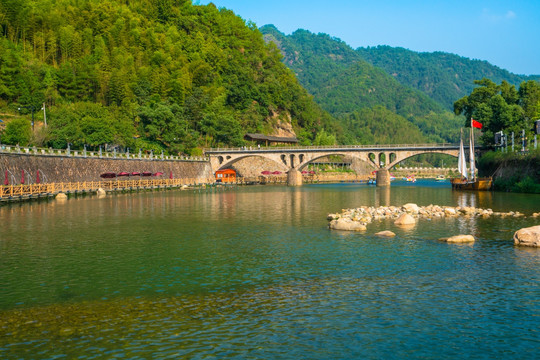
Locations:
{"points": [[462, 164], [468, 180]]}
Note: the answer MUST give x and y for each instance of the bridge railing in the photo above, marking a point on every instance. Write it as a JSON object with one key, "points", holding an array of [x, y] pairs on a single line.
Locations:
{"points": [[14, 149], [332, 147], [7, 191]]}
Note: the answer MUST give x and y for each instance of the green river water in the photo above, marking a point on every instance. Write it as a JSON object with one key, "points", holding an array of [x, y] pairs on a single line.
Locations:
{"points": [[255, 273]]}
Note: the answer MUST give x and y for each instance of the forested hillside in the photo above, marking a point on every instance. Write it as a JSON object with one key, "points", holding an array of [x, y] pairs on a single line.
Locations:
{"points": [[161, 75], [344, 84], [442, 76]]}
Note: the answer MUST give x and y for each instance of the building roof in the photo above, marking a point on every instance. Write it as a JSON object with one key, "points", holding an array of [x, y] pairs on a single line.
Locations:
{"points": [[226, 171], [262, 137]]}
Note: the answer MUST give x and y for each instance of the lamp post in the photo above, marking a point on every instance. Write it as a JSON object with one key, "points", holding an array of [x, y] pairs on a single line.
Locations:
{"points": [[32, 108]]}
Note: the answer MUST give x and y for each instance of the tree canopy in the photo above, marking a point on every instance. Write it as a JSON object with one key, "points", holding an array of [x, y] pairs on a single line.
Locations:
{"points": [[142, 73], [501, 107]]}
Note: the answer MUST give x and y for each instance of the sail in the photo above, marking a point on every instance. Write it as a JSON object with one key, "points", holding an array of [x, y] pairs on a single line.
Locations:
{"points": [[471, 155], [462, 165]]}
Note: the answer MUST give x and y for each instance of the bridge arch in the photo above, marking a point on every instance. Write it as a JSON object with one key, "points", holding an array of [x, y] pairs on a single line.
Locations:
{"points": [[312, 159], [231, 161], [403, 157]]}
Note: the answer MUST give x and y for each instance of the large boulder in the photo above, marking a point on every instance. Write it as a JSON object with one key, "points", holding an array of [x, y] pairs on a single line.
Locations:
{"points": [[405, 219], [450, 211], [101, 193], [347, 225], [528, 236], [411, 208], [460, 239]]}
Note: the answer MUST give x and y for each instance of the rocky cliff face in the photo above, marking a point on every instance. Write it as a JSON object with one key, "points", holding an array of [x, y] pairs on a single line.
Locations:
{"points": [[280, 127]]}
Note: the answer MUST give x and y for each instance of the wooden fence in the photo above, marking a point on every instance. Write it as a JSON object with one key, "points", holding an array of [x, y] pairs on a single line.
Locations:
{"points": [[34, 190]]}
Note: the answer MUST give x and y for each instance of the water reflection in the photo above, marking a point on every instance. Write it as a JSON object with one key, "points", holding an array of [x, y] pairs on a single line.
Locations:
{"points": [[383, 196], [212, 274]]}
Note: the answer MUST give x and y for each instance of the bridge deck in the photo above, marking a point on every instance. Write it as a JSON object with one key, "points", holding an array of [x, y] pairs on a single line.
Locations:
{"points": [[336, 148]]}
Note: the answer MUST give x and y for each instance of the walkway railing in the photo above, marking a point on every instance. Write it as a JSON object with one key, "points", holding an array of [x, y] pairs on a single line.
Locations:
{"points": [[10, 191], [296, 148], [10, 149]]}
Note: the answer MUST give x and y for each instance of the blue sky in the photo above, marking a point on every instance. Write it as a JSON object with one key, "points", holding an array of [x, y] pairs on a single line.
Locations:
{"points": [[505, 33]]}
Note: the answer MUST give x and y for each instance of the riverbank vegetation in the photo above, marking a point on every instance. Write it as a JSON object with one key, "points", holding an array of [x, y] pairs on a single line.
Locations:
{"points": [[502, 108], [513, 171], [177, 77], [144, 74]]}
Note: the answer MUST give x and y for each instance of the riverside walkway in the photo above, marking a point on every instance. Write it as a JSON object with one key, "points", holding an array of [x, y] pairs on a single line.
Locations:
{"points": [[34, 191]]}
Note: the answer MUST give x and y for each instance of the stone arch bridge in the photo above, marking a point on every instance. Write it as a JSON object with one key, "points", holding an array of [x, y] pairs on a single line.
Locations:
{"points": [[298, 158]]}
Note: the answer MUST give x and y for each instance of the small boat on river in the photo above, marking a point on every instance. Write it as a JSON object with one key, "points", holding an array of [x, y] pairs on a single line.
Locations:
{"points": [[468, 180], [410, 178], [440, 178]]}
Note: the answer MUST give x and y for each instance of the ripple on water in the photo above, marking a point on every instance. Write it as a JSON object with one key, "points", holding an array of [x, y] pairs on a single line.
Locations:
{"points": [[411, 314], [257, 274]]}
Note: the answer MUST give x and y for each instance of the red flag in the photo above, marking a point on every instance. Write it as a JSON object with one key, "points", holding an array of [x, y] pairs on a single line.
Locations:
{"points": [[37, 178], [22, 176], [6, 180], [476, 124]]}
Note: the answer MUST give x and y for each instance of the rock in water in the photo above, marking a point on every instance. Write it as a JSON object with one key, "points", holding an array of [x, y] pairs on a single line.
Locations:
{"points": [[386, 233], [405, 219], [528, 236], [460, 239], [347, 225], [411, 208], [61, 197], [101, 193]]}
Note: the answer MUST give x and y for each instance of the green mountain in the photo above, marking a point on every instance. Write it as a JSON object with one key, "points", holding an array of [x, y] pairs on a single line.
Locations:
{"points": [[442, 76], [344, 84], [163, 75]]}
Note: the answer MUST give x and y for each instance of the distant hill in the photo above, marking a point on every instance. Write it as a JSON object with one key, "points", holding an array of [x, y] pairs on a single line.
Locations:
{"points": [[344, 84], [442, 76]]}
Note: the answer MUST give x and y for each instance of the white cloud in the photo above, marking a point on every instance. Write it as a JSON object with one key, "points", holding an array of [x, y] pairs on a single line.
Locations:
{"points": [[510, 14], [488, 16]]}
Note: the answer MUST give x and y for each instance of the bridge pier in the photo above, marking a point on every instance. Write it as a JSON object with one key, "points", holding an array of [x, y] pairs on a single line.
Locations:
{"points": [[383, 177], [294, 178]]}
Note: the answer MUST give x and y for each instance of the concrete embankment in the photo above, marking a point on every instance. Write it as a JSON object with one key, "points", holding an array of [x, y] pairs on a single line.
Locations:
{"points": [[57, 169]]}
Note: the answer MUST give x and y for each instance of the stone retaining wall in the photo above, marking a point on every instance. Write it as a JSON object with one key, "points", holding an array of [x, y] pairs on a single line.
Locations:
{"points": [[72, 169]]}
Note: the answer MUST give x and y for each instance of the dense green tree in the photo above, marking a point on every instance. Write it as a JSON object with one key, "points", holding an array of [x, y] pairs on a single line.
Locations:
{"points": [[166, 61], [500, 108], [85, 123], [323, 139], [17, 132], [379, 125], [529, 99]]}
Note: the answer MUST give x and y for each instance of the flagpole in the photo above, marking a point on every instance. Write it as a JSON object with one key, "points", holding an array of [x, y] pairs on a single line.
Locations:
{"points": [[473, 165]]}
